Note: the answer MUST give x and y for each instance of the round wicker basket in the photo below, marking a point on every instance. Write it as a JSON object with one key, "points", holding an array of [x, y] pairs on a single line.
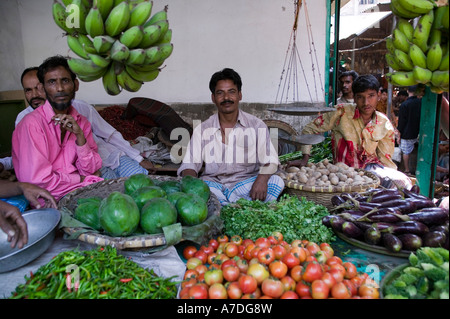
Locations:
{"points": [[323, 195], [103, 189]]}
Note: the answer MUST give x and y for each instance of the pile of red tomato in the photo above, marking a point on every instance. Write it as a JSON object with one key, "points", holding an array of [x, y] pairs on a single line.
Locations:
{"points": [[236, 268]]}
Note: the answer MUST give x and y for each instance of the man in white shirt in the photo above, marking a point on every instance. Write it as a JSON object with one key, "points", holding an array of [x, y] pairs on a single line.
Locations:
{"points": [[119, 159]]}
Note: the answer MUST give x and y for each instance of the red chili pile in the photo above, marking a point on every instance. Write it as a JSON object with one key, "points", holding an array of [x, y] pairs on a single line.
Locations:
{"points": [[270, 268], [130, 129]]}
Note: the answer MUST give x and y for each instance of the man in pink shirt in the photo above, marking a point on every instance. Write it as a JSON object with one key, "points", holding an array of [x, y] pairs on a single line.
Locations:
{"points": [[53, 147]]}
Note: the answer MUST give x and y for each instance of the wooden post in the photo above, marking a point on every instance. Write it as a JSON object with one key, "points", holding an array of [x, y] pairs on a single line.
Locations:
{"points": [[428, 142]]}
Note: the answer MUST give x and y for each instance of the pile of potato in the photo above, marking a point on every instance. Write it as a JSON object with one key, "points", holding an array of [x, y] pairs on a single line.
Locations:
{"points": [[325, 174]]}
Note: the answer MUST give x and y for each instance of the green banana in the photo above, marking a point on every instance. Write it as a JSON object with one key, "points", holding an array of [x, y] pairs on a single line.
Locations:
{"points": [[110, 81], [400, 40], [117, 19], [158, 16], [400, 11], [164, 24], [390, 45], [105, 7], [137, 57], [132, 37], [440, 79], [147, 67], [439, 15], [423, 30], [66, 2], [90, 78], [79, 15], [403, 60], [94, 22], [392, 62], [418, 57], [117, 2], [76, 47], [151, 34], [435, 37], [88, 3], [60, 17], [406, 27], [422, 75], [87, 43], [419, 6], [166, 50], [444, 66], [119, 52], [152, 55], [83, 67], [140, 13], [434, 57], [103, 43], [166, 38], [142, 76], [125, 80], [401, 79], [445, 19], [99, 60], [134, 3]]}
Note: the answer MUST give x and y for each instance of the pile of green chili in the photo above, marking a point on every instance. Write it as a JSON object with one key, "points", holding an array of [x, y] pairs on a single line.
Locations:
{"points": [[100, 273]]}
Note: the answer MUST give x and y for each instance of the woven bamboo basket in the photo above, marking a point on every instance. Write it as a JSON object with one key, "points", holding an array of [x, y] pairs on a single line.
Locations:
{"points": [[102, 189], [323, 195]]}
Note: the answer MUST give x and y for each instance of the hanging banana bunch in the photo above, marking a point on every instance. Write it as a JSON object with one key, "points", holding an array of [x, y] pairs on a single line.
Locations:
{"points": [[420, 55], [118, 41]]}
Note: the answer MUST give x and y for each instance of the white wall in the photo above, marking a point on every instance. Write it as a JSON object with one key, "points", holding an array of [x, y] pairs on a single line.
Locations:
{"points": [[251, 36]]}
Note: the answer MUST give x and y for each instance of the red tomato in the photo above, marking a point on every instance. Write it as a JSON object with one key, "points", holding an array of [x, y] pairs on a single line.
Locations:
{"points": [[191, 273], [201, 269], [231, 273], [300, 253], [213, 243], [262, 242], [337, 274], [222, 239], [321, 257], [184, 293], [328, 279], [278, 269], [334, 260], [227, 263], [358, 280], [236, 239], [189, 251], [303, 289], [278, 236], [272, 287], [207, 249], [248, 251], [248, 284], [290, 260], [368, 291], [341, 291], [242, 265], [198, 291], [189, 282], [312, 271], [319, 289], [288, 283], [231, 250], [193, 262], [266, 255], [313, 248], [255, 251], [221, 258], [296, 243], [215, 267], [351, 286], [338, 267], [272, 240], [213, 276], [279, 251], [211, 257], [296, 272], [233, 290], [200, 254], [350, 270], [322, 245], [289, 295], [329, 252], [258, 271], [246, 242], [217, 291], [311, 258]]}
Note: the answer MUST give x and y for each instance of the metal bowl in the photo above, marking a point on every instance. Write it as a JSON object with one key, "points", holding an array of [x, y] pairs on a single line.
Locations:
{"points": [[42, 224]]}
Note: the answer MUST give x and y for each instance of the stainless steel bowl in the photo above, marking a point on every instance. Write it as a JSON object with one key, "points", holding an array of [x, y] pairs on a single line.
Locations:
{"points": [[42, 224]]}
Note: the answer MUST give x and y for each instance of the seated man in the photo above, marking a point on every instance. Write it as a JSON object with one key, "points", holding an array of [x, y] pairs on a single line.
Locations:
{"points": [[119, 159], [361, 136], [11, 220], [53, 146], [235, 147]]}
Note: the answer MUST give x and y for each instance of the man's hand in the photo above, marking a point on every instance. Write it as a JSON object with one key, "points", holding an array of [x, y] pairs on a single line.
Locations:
{"points": [[69, 124], [13, 224], [33, 193], [299, 163], [148, 166], [259, 188]]}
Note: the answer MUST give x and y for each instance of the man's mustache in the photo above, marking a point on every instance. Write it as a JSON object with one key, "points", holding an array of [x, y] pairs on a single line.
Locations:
{"points": [[226, 101], [37, 99]]}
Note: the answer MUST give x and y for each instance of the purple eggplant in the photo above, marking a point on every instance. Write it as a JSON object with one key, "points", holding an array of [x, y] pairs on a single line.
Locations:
{"points": [[337, 200], [405, 207], [421, 203], [372, 235], [434, 239], [415, 189], [385, 198], [386, 215], [409, 227], [391, 242], [326, 220], [441, 228], [336, 223], [410, 241], [367, 207], [349, 229], [430, 216]]}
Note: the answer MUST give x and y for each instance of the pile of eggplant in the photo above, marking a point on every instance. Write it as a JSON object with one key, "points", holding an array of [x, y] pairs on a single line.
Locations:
{"points": [[397, 219]]}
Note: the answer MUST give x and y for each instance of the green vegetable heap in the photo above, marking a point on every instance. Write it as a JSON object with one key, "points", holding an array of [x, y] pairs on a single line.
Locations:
{"points": [[319, 152], [102, 274], [294, 218], [426, 277]]}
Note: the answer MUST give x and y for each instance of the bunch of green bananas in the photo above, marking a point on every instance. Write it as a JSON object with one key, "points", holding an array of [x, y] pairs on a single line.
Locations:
{"points": [[419, 54], [119, 41]]}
